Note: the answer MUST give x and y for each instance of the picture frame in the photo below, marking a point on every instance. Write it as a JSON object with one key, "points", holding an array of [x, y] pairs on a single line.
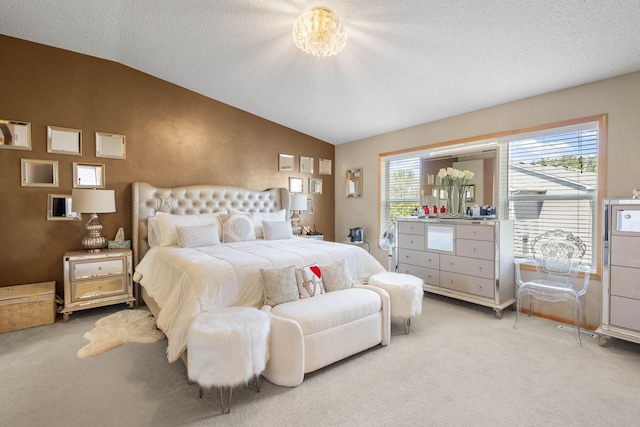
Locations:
{"points": [[306, 164], [39, 173], [285, 162], [470, 193], [59, 208], [295, 185], [310, 206], [88, 175], [111, 146], [15, 135], [64, 141], [442, 194], [324, 166]]}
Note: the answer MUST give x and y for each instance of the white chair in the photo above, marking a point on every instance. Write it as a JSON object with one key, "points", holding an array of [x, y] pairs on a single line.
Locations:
{"points": [[556, 256]]}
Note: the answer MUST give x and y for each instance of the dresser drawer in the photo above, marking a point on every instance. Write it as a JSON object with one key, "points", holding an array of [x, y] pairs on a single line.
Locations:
{"points": [[429, 275], [625, 312], [97, 268], [411, 241], [469, 266], [482, 249], [624, 282], [476, 232], [625, 250], [89, 289], [409, 227], [419, 258], [468, 284]]}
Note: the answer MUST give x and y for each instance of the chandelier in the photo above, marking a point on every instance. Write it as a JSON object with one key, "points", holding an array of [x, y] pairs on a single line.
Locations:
{"points": [[319, 32]]}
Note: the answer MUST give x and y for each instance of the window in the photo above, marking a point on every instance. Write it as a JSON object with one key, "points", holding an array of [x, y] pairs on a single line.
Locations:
{"points": [[399, 188], [552, 183]]}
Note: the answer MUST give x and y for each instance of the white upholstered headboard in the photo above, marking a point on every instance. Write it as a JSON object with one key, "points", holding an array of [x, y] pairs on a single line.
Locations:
{"points": [[193, 200]]}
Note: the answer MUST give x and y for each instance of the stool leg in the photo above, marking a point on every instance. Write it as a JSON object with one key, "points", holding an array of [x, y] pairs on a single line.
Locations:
{"points": [[228, 409], [200, 392], [258, 383], [407, 324]]}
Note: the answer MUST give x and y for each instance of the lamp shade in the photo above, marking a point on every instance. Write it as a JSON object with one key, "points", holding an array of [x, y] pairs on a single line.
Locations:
{"points": [[93, 201], [298, 203]]}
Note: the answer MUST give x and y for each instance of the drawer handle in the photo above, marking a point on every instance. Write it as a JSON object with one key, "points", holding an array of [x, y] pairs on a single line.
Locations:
{"points": [[99, 268], [450, 264], [450, 280], [100, 287]]}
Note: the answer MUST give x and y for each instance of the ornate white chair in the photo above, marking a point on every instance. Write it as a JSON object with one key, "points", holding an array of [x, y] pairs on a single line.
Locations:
{"points": [[556, 256]]}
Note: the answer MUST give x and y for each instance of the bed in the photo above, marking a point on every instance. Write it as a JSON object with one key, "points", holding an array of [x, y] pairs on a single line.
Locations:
{"points": [[177, 283]]}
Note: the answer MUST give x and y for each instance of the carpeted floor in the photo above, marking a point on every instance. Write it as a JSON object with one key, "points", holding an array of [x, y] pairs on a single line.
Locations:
{"points": [[458, 366]]}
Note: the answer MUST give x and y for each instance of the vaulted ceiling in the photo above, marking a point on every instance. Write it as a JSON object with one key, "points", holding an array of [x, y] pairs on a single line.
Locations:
{"points": [[406, 62]]}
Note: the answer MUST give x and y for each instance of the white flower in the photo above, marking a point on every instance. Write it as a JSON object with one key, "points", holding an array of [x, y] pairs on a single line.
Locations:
{"points": [[468, 174], [442, 173], [450, 171]]}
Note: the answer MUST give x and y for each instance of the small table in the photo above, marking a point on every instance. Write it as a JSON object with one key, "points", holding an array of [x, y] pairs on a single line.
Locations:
{"points": [[348, 242]]}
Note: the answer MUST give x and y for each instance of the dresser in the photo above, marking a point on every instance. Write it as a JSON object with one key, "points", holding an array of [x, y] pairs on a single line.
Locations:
{"points": [[621, 271], [95, 279], [470, 260]]}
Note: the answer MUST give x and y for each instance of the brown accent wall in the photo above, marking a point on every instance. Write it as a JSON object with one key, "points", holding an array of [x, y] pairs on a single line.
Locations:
{"points": [[174, 137]]}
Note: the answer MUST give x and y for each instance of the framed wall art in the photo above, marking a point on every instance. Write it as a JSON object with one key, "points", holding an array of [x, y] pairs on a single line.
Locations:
{"points": [[64, 141]]}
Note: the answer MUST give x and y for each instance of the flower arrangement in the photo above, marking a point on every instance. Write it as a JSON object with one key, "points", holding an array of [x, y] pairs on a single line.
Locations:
{"points": [[455, 178]]}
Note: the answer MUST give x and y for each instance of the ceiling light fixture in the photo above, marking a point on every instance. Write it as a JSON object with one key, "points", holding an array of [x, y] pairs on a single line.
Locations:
{"points": [[319, 32]]}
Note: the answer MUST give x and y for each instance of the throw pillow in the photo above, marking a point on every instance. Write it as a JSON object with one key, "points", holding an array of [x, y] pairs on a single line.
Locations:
{"points": [[309, 280], [279, 285], [277, 230], [153, 232], [237, 228], [197, 236], [258, 217], [336, 276], [169, 222]]}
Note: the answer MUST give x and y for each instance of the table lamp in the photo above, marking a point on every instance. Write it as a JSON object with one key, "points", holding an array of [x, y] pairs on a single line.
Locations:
{"points": [[298, 203], [93, 201]]}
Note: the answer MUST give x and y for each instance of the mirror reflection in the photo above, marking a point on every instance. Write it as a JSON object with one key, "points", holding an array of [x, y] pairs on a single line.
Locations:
{"points": [[59, 208], [39, 173], [354, 183], [88, 175], [15, 135]]}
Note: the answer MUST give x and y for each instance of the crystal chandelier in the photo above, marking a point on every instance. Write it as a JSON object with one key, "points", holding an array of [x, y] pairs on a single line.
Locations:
{"points": [[319, 32]]}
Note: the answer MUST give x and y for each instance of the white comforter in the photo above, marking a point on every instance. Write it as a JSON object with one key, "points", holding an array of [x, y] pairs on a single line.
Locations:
{"points": [[185, 282]]}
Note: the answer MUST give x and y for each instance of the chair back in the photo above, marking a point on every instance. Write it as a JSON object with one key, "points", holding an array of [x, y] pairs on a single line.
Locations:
{"points": [[557, 255]]}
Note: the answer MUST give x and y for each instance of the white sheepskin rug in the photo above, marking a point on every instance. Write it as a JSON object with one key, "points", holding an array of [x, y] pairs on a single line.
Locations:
{"points": [[118, 328]]}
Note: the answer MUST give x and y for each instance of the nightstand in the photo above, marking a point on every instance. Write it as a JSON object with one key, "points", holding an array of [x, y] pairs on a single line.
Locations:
{"points": [[312, 236], [96, 279]]}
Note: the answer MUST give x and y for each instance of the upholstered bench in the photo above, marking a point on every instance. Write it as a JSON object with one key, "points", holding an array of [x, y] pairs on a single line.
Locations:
{"points": [[405, 292], [227, 347]]}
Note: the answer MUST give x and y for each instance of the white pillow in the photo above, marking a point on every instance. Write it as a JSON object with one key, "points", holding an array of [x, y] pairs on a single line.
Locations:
{"points": [[153, 232], [258, 217], [197, 236], [277, 230], [238, 228], [309, 280], [168, 223]]}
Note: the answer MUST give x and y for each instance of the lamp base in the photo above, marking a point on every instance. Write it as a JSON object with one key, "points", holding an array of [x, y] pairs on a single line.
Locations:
{"points": [[295, 223], [94, 241]]}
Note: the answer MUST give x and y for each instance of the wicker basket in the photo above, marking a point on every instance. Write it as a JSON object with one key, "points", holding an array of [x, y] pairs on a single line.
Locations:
{"points": [[25, 306]]}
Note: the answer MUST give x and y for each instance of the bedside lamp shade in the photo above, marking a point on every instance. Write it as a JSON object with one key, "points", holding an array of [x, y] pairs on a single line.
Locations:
{"points": [[94, 202]]}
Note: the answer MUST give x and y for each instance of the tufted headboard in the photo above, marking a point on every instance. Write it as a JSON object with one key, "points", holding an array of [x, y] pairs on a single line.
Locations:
{"points": [[195, 199]]}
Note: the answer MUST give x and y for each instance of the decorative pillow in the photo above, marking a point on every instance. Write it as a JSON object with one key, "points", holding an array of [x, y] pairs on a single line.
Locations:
{"points": [[277, 230], [336, 276], [238, 228], [168, 223], [153, 232], [309, 280], [258, 217], [196, 236], [279, 285]]}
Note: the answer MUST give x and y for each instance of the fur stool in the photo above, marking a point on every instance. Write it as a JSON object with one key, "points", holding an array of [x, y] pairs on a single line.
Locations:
{"points": [[227, 347], [405, 292]]}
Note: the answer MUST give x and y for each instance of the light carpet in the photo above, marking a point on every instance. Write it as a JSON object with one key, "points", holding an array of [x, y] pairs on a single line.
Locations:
{"points": [[118, 328]]}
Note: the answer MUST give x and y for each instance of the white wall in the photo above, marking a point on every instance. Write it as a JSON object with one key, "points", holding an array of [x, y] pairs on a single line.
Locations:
{"points": [[618, 97]]}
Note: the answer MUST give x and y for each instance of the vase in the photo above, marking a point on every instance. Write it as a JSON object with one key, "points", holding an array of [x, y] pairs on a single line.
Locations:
{"points": [[461, 199], [451, 205]]}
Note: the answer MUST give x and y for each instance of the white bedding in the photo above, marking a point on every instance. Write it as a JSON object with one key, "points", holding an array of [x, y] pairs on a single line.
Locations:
{"points": [[185, 282]]}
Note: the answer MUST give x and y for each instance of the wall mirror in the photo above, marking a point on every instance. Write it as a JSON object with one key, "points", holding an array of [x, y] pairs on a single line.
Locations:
{"points": [[310, 206], [324, 166], [111, 146], [64, 140], [285, 163], [295, 185], [354, 183], [315, 185], [88, 175], [306, 164], [59, 208], [15, 135], [482, 187], [39, 173]]}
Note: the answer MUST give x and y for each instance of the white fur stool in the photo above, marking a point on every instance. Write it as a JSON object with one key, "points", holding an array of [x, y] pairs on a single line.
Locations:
{"points": [[405, 292], [227, 347]]}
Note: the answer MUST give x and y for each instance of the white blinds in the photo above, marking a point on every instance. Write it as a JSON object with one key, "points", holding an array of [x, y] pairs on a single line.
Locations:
{"points": [[400, 188], [552, 183]]}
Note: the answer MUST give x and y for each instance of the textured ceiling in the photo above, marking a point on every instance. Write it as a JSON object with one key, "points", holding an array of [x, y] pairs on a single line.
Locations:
{"points": [[406, 62]]}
